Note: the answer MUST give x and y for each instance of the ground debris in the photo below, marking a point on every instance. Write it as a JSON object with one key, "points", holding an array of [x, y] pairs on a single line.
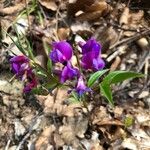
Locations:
{"points": [[51, 120]]}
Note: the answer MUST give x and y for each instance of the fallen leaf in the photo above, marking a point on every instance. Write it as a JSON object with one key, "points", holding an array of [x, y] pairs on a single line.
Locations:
{"points": [[13, 9], [75, 6], [95, 11], [63, 33], [49, 4], [124, 16], [44, 138]]}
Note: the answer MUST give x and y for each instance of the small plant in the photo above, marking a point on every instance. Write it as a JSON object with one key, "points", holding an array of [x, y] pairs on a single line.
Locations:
{"points": [[83, 78]]}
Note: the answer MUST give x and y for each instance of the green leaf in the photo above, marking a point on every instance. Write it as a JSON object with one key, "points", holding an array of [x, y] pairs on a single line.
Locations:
{"points": [[95, 76], [119, 76], [51, 85], [18, 45], [49, 66], [41, 73], [115, 77], [106, 92], [74, 95]]}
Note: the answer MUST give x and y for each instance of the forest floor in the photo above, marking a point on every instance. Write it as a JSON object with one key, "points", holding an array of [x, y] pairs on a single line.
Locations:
{"points": [[48, 122]]}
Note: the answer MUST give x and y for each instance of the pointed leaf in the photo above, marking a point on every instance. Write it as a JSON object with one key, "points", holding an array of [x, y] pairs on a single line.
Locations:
{"points": [[95, 76], [106, 92], [115, 77], [119, 76]]}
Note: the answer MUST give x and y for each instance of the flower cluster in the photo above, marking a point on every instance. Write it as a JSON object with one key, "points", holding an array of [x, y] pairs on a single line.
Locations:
{"points": [[21, 68], [62, 52]]}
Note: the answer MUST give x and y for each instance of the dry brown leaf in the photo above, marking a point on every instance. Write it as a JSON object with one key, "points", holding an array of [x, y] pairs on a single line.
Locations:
{"points": [[58, 140], [143, 43], [135, 18], [107, 36], [118, 111], [134, 22], [67, 134], [54, 103], [110, 122], [124, 17], [63, 33], [95, 11], [44, 138], [115, 64], [49, 4], [74, 7], [13, 9], [69, 111], [99, 115]]}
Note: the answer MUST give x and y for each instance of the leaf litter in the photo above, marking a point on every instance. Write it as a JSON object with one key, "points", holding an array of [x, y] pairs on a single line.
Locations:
{"points": [[52, 121]]}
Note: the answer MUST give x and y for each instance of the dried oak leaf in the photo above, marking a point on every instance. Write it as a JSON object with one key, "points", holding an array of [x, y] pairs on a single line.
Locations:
{"points": [[124, 17], [63, 33], [107, 36], [95, 11], [49, 4], [44, 138], [74, 7], [13, 9]]}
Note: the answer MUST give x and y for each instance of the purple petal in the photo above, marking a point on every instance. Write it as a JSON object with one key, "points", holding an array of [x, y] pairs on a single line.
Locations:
{"points": [[57, 56], [89, 61], [19, 64], [98, 64], [30, 85], [91, 46], [68, 73], [31, 81], [19, 59], [65, 50], [15, 68], [81, 87]]}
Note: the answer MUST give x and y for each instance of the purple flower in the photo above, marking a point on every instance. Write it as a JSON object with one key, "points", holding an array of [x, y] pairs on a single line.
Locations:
{"points": [[89, 61], [81, 88], [91, 55], [68, 72], [19, 64], [91, 46], [30, 84], [61, 52]]}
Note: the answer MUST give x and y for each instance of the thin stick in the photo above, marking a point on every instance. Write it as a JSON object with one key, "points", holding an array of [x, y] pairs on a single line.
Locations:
{"points": [[7, 146], [131, 39]]}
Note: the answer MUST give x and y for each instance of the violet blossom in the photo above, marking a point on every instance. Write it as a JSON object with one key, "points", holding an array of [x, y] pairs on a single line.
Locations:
{"points": [[91, 59], [68, 73], [81, 88], [61, 52], [21, 68], [19, 64], [31, 82]]}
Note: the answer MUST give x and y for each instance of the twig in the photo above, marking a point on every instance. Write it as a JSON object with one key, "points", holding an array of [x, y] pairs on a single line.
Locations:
{"points": [[23, 140], [119, 51], [146, 68], [7, 146], [33, 127], [122, 28], [131, 39]]}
